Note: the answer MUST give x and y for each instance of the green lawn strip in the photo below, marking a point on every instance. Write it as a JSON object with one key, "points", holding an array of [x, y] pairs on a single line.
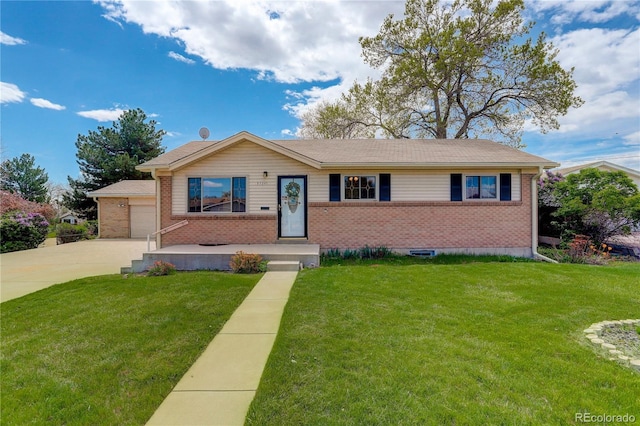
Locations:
{"points": [[481, 343], [107, 350]]}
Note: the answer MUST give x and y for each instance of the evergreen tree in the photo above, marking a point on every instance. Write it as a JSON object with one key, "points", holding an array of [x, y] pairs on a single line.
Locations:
{"points": [[110, 155], [21, 176]]}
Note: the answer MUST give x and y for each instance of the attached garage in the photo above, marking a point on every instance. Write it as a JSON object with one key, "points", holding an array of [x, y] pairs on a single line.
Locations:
{"points": [[126, 209], [143, 220]]}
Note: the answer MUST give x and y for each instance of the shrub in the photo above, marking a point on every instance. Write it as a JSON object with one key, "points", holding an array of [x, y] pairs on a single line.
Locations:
{"points": [[160, 268], [22, 231], [580, 249], [247, 263], [365, 252], [91, 226], [380, 252], [68, 233]]}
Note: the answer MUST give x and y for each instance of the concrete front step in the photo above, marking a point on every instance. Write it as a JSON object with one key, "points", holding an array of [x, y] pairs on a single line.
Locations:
{"points": [[195, 257], [283, 265]]}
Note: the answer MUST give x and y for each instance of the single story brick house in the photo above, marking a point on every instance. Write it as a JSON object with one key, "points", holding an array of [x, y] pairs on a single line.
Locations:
{"points": [[472, 196], [126, 209]]}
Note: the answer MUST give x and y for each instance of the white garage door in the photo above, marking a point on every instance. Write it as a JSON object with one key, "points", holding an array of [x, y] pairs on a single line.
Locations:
{"points": [[143, 221]]}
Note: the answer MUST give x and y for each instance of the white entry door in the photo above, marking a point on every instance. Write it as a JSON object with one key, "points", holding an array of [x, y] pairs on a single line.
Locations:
{"points": [[292, 206]]}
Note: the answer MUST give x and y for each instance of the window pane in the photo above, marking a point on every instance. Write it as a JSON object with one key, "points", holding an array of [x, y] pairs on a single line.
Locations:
{"points": [[360, 187], [351, 188], [195, 194], [473, 187], [216, 195], [368, 187], [488, 187], [239, 194]]}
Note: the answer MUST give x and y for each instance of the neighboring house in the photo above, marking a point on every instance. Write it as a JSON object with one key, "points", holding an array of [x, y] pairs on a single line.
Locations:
{"points": [[604, 166], [473, 196], [69, 217], [126, 209]]}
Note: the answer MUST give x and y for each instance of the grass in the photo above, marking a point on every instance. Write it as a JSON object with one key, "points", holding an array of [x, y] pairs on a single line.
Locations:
{"points": [[427, 343], [107, 350]]}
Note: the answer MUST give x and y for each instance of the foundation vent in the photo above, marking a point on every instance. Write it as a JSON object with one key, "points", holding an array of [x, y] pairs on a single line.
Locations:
{"points": [[422, 252]]}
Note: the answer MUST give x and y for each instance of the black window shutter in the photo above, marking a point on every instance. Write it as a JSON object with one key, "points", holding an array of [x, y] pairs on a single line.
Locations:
{"points": [[456, 187], [334, 187], [385, 187], [505, 186]]}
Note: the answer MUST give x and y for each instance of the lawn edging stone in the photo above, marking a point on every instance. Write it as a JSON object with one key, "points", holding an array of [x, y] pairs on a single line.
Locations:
{"points": [[595, 333]]}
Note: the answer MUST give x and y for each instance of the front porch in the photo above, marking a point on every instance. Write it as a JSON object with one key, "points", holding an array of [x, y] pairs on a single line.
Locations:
{"points": [[191, 257]]}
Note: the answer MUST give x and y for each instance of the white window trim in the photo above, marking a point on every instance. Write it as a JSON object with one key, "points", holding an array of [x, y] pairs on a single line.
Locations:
{"points": [[359, 200], [480, 175], [246, 211]]}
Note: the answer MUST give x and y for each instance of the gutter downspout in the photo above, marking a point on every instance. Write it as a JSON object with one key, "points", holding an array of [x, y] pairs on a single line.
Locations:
{"points": [[98, 217], [534, 218], [158, 210]]}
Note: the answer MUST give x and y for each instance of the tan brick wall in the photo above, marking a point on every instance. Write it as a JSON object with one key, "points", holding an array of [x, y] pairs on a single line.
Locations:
{"points": [[114, 220], [398, 225], [215, 229], [403, 225]]}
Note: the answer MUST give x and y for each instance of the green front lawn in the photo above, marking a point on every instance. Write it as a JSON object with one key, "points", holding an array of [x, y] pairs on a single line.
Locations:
{"points": [[479, 343], [107, 350]]}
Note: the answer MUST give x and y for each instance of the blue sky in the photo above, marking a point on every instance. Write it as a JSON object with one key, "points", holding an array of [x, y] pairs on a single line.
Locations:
{"points": [[68, 67]]}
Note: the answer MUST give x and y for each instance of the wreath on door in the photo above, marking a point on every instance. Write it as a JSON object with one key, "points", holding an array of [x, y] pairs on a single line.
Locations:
{"points": [[293, 192]]}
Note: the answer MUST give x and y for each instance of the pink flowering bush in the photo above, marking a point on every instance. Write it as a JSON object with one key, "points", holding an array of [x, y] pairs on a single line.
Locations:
{"points": [[22, 231], [160, 268], [11, 203]]}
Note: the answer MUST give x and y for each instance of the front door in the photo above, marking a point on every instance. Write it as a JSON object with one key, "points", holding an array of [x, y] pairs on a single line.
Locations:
{"points": [[292, 206]]}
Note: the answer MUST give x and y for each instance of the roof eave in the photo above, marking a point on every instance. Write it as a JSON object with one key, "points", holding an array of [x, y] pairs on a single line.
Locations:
{"points": [[119, 195], [452, 165]]}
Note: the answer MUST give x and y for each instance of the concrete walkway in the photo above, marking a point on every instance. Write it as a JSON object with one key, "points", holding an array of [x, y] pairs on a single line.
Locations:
{"points": [[219, 387], [27, 271]]}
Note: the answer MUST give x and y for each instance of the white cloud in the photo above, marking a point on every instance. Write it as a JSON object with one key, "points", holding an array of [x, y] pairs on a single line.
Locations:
{"points": [[10, 93], [102, 114], [43, 103], [607, 72], [632, 139], [10, 41], [179, 57], [604, 60], [302, 41], [563, 12]]}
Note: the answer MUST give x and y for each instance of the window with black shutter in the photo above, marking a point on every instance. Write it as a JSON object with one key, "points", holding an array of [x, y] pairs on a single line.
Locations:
{"points": [[505, 186], [385, 187], [456, 187], [334, 187]]}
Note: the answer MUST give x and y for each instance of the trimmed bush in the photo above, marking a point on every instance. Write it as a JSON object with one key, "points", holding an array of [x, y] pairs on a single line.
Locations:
{"points": [[68, 233], [22, 231], [160, 268], [247, 263]]}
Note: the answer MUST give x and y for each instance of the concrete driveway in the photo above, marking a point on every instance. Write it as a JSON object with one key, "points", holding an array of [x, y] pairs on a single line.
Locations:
{"points": [[27, 271]]}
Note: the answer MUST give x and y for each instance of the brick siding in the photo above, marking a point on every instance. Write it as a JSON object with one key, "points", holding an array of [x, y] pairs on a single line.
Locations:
{"points": [[397, 225], [214, 229], [114, 220], [404, 225]]}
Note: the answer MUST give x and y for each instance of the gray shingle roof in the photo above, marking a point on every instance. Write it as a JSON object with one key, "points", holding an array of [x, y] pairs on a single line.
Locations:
{"points": [[371, 152], [127, 188]]}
